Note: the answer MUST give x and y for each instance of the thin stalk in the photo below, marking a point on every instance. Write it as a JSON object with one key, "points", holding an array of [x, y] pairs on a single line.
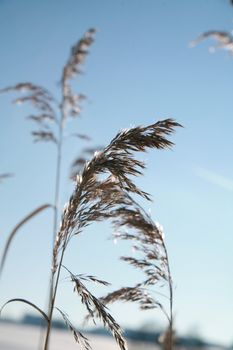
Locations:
{"points": [[51, 308], [55, 216], [53, 287], [170, 286], [170, 298], [57, 180], [56, 197]]}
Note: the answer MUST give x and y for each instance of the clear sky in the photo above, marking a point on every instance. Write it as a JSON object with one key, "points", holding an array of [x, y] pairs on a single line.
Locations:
{"points": [[140, 69]]}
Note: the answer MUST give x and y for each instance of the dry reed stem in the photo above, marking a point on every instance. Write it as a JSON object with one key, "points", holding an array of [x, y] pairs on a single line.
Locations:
{"points": [[44, 103], [110, 198], [153, 258], [224, 40], [103, 192], [28, 303], [167, 339], [78, 336], [51, 115], [69, 106], [93, 198], [71, 101], [16, 228], [96, 308]]}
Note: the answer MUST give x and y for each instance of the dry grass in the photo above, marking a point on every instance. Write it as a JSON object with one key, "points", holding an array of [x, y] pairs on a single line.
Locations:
{"points": [[104, 190], [224, 40]]}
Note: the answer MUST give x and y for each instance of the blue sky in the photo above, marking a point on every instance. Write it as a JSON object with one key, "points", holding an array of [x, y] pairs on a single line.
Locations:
{"points": [[140, 69]]}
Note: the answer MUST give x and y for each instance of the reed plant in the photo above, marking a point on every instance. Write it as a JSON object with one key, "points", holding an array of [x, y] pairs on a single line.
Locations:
{"points": [[224, 40], [104, 190]]}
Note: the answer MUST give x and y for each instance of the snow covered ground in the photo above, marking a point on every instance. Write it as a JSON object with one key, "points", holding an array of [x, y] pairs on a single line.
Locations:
{"points": [[21, 337]]}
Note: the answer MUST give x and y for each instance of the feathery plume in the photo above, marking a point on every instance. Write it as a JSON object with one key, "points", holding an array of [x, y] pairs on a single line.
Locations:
{"points": [[79, 52], [224, 40]]}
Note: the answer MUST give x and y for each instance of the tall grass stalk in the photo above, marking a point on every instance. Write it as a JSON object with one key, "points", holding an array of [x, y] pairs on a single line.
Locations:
{"points": [[96, 198], [104, 190], [69, 107]]}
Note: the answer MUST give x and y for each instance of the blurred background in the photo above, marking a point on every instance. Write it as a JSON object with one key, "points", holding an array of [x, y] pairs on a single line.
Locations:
{"points": [[140, 69]]}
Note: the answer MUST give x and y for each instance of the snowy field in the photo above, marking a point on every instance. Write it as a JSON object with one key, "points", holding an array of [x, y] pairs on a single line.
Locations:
{"points": [[20, 337]]}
